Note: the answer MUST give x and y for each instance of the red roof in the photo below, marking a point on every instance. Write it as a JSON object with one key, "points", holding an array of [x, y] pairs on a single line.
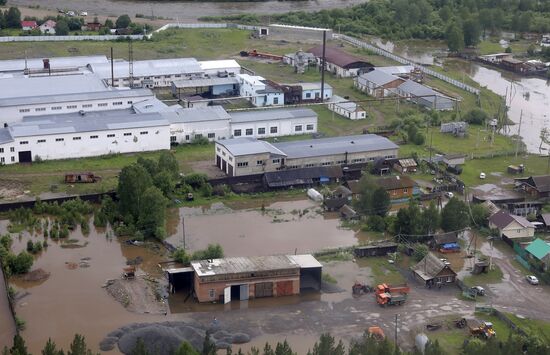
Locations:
{"points": [[32, 24], [340, 58]]}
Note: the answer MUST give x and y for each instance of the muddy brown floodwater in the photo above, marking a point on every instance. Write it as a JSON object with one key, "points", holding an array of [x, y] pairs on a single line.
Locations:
{"points": [[283, 227], [72, 300]]}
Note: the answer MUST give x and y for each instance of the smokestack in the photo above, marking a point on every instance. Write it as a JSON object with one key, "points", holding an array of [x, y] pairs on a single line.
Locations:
{"points": [[112, 69], [323, 67]]}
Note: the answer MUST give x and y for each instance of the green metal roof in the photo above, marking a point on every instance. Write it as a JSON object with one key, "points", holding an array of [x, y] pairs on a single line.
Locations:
{"points": [[538, 248]]}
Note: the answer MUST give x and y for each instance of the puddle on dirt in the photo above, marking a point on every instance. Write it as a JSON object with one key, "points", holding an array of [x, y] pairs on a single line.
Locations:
{"points": [[72, 300], [281, 227]]}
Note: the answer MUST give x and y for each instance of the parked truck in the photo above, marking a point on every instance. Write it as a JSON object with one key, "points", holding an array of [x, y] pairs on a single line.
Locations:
{"points": [[385, 288], [391, 299]]}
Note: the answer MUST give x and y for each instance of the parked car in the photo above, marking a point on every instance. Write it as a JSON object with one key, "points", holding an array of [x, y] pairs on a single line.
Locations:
{"points": [[449, 194], [482, 175], [532, 280], [71, 13], [478, 290], [83, 13]]}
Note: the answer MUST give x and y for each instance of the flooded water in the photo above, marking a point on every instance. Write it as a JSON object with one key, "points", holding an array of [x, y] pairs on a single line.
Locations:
{"points": [[422, 52], [186, 11], [72, 300], [283, 227], [7, 324], [528, 95]]}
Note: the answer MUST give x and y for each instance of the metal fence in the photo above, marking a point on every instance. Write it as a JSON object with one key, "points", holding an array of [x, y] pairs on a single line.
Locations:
{"points": [[68, 38], [404, 61]]}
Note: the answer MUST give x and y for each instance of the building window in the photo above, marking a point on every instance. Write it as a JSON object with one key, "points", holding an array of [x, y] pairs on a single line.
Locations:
{"points": [[87, 106], [198, 135], [143, 133], [259, 162], [309, 127], [102, 104], [242, 164], [275, 100], [186, 137], [218, 149], [1, 150], [24, 142], [59, 139], [211, 135], [12, 159], [71, 107], [276, 161], [230, 158], [326, 163], [212, 293], [261, 130], [110, 135], [308, 95], [127, 134], [118, 103], [76, 138], [309, 165], [249, 131], [93, 137], [173, 139], [23, 110], [273, 130], [237, 133], [56, 108], [12, 149], [2, 160], [130, 102], [38, 109], [405, 190], [298, 128]]}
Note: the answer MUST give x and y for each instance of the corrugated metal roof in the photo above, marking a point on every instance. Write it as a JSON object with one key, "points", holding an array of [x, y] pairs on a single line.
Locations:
{"points": [[396, 70], [55, 62], [538, 248], [335, 145], [378, 77], [413, 88], [78, 96], [338, 57], [50, 85], [345, 104], [271, 114], [143, 68], [5, 136], [237, 265], [305, 261], [248, 146], [196, 114], [219, 64]]}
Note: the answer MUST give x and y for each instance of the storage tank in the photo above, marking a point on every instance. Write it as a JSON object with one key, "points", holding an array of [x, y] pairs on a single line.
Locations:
{"points": [[314, 195], [420, 342]]}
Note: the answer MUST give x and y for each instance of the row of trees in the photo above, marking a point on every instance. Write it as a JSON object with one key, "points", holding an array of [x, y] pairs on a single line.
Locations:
{"points": [[77, 347], [13, 264]]}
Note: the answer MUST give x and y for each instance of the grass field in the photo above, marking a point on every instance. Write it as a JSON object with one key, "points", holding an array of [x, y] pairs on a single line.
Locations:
{"points": [[492, 277], [535, 327]]}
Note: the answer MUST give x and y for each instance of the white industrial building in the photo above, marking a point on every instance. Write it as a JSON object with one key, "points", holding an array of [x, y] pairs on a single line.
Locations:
{"points": [[75, 136], [23, 96], [189, 124], [273, 122], [49, 66], [346, 108], [259, 92], [219, 67]]}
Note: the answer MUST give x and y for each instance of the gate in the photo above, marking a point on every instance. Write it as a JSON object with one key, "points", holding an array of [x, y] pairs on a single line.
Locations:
{"points": [[284, 288], [263, 289]]}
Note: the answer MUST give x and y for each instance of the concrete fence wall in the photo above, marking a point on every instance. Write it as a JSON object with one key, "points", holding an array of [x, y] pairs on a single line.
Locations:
{"points": [[67, 38]]}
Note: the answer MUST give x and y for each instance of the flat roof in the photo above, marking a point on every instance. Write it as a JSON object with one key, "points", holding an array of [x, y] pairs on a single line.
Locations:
{"points": [[219, 64], [378, 77], [310, 86], [179, 270], [197, 114], [92, 121], [78, 96], [335, 145], [55, 62], [305, 261], [50, 85], [143, 68], [247, 146], [193, 83], [345, 104], [238, 265], [270, 114]]}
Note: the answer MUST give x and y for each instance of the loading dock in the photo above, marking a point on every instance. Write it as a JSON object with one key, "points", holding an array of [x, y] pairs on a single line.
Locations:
{"points": [[25, 156]]}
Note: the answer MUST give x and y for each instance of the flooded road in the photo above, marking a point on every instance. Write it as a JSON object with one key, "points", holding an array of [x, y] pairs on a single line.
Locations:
{"points": [[185, 11], [7, 324], [528, 95], [283, 227]]}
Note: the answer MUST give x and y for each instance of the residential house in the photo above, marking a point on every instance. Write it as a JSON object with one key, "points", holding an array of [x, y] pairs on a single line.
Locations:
{"points": [[536, 186], [539, 250], [93, 26], [340, 63], [346, 108], [512, 228], [378, 83], [48, 27], [338, 198], [355, 187], [398, 187], [545, 217], [407, 165], [433, 272], [28, 25], [439, 240]]}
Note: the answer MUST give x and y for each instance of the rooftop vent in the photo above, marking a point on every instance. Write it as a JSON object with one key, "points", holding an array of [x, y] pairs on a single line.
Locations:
{"points": [[82, 112], [352, 142]]}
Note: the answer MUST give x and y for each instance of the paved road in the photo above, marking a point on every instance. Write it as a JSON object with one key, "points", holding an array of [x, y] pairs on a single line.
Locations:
{"points": [[7, 323]]}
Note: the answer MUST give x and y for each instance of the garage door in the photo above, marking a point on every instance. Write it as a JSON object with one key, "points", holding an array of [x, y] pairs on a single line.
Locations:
{"points": [[263, 289], [25, 157], [284, 288]]}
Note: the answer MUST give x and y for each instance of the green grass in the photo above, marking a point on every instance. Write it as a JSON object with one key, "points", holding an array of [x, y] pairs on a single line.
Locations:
{"points": [[328, 278], [340, 256], [492, 46], [450, 339], [535, 327], [492, 277], [501, 328], [382, 270]]}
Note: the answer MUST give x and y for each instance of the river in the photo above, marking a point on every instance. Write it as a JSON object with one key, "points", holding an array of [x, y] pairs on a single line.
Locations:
{"points": [[185, 11]]}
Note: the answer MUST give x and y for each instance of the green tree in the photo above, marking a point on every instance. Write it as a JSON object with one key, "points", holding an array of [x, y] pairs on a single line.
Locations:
{"points": [[21, 263], [454, 215], [376, 223], [164, 182], [78, 346], [19, 347], [455, 38], [283, 349], [61, 28], [430, 219], [167, 162], [476, 116], [472, 32], [479, 215], [212, 251], [420, 251], [150, 165], [12, 17], [133, 181], [51, 349], [123, 21], [208, 346], [433, 348], [373, 199], [140, 348], [109, 24], [187, 349], [3, 2], [327, 346], [152, 213]]}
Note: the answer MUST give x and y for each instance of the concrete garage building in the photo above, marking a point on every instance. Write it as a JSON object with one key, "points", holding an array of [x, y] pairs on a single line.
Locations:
{"points": [[425, 96], [378, 83], [340, 63], [73, 136], [244, 278], [346, 108], [248, 156], [273, 122]]}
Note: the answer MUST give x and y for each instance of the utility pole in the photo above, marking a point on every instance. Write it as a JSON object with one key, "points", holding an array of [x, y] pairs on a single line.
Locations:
{"points": [[323, 67], [130, 64], [183, 230], [519, 132], [396, 330], [112, 69]]}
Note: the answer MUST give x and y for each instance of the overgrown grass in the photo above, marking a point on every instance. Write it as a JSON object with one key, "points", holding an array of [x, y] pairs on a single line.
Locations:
{"points": [[339, 256], [492, 277], [382, 270], [534, 327], [328, 278]]}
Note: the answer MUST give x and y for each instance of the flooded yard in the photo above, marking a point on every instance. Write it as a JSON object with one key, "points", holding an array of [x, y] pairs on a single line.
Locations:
{"points": [[282, 227]]}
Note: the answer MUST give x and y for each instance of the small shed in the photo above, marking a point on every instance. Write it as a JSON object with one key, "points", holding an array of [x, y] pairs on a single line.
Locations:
{"points": [[546, 220], [444, 238], [375, 249], [347, 213], [454, 159], [354, 186], [539, 250], [433, 272], [407, 165]]}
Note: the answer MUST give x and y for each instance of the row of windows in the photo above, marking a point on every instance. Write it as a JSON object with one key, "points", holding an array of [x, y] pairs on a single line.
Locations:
{"points": [[242, 164], [196, 136], [72, 107], [272, 130], [12, 149], [77, 138], [3, 160]]}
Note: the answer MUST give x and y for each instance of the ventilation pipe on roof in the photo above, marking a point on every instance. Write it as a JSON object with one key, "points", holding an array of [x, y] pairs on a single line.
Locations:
{"points": [[5, 125]]}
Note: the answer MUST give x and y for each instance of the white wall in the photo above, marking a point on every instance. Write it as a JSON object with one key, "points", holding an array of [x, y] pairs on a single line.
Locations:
{"points": [[312, 93], [158, 80], [186, 132], [285, 127], [157, 138], [352, 115]]}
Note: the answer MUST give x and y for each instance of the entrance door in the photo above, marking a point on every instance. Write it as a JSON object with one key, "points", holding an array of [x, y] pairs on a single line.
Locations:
{"points": [[227, 295], [25, 157], [230, 170], [218, 161], [244, 292]]}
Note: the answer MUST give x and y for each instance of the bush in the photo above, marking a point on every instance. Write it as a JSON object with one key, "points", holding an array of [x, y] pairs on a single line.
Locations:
{"points": [[476, 116], [195, 180], [419, 139], [376, 223], [200, 141]]}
